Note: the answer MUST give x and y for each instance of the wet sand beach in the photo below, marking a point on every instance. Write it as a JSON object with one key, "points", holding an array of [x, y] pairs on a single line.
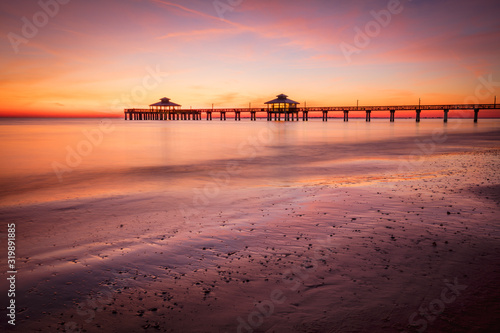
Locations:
{"points": [[283, 238]]}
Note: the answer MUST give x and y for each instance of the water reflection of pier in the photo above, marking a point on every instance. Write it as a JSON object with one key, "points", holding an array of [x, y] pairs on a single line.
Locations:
{"points": [[286, 109]]}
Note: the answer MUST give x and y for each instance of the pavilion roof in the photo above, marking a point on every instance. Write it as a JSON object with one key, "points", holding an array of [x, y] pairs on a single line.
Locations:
{"points": [[165, 102], [282, 98]]}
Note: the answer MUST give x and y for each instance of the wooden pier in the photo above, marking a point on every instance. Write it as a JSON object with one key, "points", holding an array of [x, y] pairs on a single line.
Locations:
{"points": [[297, 113], [284, 108]]}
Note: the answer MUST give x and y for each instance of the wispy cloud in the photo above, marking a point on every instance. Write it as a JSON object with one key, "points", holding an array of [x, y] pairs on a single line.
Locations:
{"points": [[201, 14], [197, 33]]}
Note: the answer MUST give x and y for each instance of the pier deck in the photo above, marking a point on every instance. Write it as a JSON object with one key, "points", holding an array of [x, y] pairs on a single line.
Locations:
{"points": [[292, 114]]}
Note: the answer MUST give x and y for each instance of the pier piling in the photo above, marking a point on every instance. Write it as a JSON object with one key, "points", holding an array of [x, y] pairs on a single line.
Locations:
{"points": [[346, 115], [305, 115], [293, 113]]}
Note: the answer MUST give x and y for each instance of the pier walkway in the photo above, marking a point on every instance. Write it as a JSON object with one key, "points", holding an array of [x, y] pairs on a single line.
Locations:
{"points": [[295, 113]]}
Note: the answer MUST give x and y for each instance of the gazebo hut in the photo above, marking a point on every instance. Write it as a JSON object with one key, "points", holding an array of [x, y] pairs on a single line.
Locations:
{"points": [[164, 105], [165, 109], [282, 105]]}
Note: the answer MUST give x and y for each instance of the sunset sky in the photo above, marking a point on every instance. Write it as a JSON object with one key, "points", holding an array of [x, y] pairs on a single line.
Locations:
{"points": [[96, 58]]}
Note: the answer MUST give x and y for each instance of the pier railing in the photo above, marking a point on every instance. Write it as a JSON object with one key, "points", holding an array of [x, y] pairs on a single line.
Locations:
{"points": [[291, 114]]}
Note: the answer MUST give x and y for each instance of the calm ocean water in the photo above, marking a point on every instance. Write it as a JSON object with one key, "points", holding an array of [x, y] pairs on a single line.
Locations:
{"points": [[56, 159]]}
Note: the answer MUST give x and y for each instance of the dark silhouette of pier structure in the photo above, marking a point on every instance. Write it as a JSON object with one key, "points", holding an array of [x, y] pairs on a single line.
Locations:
{"points": [[290, 111], [286, 107]]}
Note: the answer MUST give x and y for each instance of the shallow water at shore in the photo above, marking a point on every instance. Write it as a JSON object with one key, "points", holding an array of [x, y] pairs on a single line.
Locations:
{"points": [[47, 159]]}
